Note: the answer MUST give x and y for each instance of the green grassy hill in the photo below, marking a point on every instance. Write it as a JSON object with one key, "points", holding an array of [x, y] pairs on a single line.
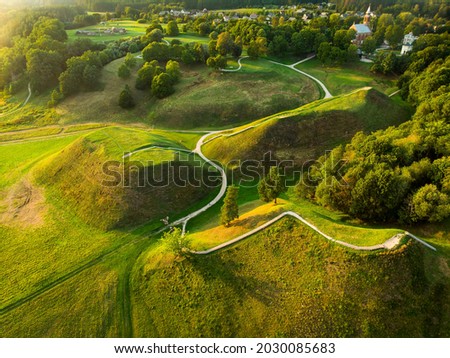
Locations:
{"points": [[305, 133], [289, 282], [203, 99], [77, 175], [210, 99]]}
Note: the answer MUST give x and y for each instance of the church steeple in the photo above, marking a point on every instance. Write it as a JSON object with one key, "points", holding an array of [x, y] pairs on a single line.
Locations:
{"points": [[367, 16]]}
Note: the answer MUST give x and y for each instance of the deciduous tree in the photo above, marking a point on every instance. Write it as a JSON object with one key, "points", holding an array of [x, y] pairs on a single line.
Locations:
{"points": [[270, 187], [230, 208]]}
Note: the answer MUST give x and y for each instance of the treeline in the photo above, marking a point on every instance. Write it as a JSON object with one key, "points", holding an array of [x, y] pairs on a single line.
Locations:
{"points": [[426, 7], [45, 59], [21, 23], [401, 173]]}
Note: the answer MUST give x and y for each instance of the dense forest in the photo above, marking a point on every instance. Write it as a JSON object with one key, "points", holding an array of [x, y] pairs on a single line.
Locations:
{"points": [[402, 173]]}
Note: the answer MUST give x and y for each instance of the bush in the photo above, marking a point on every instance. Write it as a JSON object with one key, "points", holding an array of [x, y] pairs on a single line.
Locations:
{"points": [[162, 85], [130, 60], [176, 242], [126, 98], [123, 71]]}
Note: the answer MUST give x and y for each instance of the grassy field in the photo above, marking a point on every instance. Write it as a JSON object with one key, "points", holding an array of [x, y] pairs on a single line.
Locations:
{"points": [[133, 29], [187, 37], [52, 251], [342, 80], [254, 288], [35, 114]]}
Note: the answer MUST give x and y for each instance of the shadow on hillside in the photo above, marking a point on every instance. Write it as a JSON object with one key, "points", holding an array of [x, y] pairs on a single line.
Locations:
{"points": [[232, 275]]}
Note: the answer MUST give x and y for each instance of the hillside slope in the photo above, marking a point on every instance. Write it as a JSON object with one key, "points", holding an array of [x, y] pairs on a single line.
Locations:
{"points": [[305, 133], [142, 189], [289, 282]]}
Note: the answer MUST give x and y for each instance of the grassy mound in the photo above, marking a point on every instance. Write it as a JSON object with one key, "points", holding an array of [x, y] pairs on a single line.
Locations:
{"points": [[289, 282], [130, 196], [205, 98], [305, 133]]}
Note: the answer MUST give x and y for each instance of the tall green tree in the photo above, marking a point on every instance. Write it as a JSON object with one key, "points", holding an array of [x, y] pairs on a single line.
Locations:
{"points": [[123, 71], [172, 28], [230, 207], [126, 98], [173, 70], [43, 68], [224, 43], [162, 85], [270, 187], [393, 35]]}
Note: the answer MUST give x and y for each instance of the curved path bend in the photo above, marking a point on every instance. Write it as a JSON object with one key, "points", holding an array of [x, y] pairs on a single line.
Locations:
{"points": [[235, 69], [319, 82], [387, 245], [20, 106], [198, 150]]}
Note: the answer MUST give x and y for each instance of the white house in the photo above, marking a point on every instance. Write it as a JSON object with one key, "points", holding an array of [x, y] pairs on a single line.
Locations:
{"points": [[408, 41]]}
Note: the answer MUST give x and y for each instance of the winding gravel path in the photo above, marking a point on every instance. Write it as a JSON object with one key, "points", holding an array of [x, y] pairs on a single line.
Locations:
{"points": [[234, 69], [319, 82], [20, 106], [388, 244]]}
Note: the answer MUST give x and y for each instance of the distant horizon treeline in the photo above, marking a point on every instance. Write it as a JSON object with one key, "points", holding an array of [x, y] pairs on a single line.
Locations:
{"points": [[341, 5]]}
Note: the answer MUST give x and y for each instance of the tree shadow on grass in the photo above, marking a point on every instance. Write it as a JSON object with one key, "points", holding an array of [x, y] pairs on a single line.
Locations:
{"points": [[231, 274]]}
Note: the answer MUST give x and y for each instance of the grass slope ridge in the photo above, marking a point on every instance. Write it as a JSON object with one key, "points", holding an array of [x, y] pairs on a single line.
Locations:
{"points": [[305, 133], [289, 282], [76, 175]]}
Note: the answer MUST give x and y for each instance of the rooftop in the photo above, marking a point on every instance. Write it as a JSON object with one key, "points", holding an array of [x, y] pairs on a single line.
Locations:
{"points": [[361, 28]]}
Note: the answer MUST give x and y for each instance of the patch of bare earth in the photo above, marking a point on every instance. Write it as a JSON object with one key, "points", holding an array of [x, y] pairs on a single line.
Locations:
{"points": [[24, 205]]}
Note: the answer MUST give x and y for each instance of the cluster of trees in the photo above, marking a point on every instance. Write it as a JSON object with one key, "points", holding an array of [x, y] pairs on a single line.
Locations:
{"points": [[400, 173], [43, 57], [158, 79]]}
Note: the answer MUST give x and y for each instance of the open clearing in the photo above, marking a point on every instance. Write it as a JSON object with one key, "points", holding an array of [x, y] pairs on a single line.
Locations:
{"points": [[341, 80]]}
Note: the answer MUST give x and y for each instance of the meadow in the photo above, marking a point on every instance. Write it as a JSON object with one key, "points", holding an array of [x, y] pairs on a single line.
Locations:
{"points": [[345, 79], [133, 29]]}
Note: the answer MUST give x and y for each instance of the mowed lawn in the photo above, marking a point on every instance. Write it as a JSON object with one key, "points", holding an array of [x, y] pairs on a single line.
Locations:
{"points": [[344, 79]]}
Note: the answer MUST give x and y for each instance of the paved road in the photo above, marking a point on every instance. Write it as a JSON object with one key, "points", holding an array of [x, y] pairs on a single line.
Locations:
{"points": [[21, 106]]}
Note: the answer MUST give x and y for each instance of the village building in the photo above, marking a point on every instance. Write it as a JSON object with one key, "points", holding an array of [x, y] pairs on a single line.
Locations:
{"points": [[363, 30], [408, 42]]}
